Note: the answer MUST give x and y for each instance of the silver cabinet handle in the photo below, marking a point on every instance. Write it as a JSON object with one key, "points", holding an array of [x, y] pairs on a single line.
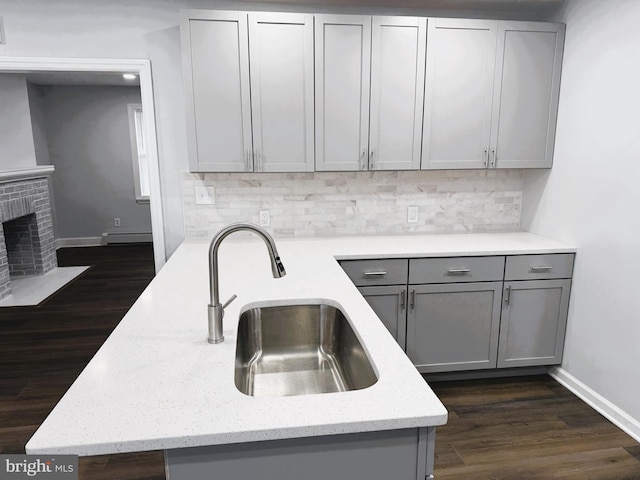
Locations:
{"points": [[493, 158], [375, 274], [402, 295], [247, 161], [258, 161], [363, 160], [507, 296], [371, 160], [541, 268], [459, 271], [412, 303], [485, 157]]}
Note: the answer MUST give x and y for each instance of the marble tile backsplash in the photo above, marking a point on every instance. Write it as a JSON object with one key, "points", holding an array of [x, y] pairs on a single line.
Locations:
{"points": [[358, 203]]}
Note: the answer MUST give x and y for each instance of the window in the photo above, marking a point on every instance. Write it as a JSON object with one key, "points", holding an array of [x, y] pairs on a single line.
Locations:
{"points": [[139, 153]]}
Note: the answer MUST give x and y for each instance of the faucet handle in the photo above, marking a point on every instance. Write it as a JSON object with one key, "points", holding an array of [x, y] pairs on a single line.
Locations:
{"points": [[233, 297]]}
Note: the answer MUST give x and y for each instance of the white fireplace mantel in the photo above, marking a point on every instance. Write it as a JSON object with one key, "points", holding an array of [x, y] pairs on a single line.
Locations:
{"points": [[26, 173]]}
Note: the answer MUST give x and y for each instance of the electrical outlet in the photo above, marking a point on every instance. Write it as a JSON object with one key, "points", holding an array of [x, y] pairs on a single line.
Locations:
{"points": [[265, 218], [116, 222], [205, 195], [412, 214]]}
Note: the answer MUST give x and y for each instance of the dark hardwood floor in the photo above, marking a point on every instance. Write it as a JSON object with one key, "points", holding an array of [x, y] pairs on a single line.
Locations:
{"points": [[527, 428], [43, 349]]}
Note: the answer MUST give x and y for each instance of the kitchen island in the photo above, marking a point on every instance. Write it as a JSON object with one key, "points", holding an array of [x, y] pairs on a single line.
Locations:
{"points": [[156, 384]]}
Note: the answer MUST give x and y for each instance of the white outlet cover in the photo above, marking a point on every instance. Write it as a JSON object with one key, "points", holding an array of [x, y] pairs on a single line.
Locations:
{"points": [[412, 214], [265, 218], [205, 195]]}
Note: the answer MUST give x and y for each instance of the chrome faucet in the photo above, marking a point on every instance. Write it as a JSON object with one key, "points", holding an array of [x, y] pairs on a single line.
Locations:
{"points": [[216, 310]]}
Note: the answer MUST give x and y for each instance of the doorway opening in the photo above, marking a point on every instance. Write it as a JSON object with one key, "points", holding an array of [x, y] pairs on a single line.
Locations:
{"points": [[105, 72]]}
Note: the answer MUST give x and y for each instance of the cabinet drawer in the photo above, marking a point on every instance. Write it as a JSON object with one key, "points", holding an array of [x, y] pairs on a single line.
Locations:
{"points": [[533, 267], [377, 272], [456, 269]]}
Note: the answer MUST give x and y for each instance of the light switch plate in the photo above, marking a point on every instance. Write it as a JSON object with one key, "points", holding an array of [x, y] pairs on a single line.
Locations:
{"points": [[205, 195]]}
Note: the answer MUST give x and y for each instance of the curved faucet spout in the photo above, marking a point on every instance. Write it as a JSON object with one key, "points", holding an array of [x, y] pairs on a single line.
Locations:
{"points": [[215, 309]]}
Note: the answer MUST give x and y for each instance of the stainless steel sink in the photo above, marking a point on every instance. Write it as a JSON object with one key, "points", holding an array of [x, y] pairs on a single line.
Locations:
{"points": [[299, 350]]}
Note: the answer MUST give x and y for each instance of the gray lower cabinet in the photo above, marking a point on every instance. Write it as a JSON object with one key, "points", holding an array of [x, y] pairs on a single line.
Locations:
{"points": [[471, 313], [453, 326], [534, 318], [390, 304], [406, 454]]}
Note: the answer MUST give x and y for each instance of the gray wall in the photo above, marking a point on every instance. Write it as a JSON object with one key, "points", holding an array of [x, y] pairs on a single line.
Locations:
{"points": [[591, 198], [16, 137], [88, 134], [40, 142]]}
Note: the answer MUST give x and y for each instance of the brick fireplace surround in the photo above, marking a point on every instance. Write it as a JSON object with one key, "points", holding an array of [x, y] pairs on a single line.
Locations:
{"points": [[26, 235]]}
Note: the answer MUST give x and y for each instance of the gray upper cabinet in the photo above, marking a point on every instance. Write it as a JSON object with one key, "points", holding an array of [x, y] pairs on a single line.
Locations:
{"points": [[459, 91], [491, 94], [281, 59], [293, 92], [397, 91], [249, 86], [525, 97], [216, 69], [342, 72], [369, 92]]}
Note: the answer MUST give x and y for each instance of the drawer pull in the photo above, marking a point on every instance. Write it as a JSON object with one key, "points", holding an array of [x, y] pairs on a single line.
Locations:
{"points": [[541, 269], [459, 271], [375, 274]]}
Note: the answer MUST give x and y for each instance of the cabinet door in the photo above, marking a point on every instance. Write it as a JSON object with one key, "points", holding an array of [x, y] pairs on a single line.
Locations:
{"points": [[525, 99], [389, 303], [342, 70], [281, 57], [216, 68], [454, 326], [459, 89], [397, 91], [534, 319]]}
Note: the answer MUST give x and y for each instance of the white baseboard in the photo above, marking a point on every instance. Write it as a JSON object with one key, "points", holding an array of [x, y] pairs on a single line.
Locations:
{"points": [[616, 415], [109, 238], [78, 242]]}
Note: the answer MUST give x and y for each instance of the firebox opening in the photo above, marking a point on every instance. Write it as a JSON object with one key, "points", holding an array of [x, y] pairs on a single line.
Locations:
{"points": [[21, 239]]}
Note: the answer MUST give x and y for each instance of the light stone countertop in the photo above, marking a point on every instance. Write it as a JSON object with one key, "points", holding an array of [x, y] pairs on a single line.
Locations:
{"points": [[157, 384]]}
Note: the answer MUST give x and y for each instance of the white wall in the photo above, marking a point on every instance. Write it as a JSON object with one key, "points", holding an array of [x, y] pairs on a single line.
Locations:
{"points": [[88, 134], [115, 29], [591, 197], [16, 137]]}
